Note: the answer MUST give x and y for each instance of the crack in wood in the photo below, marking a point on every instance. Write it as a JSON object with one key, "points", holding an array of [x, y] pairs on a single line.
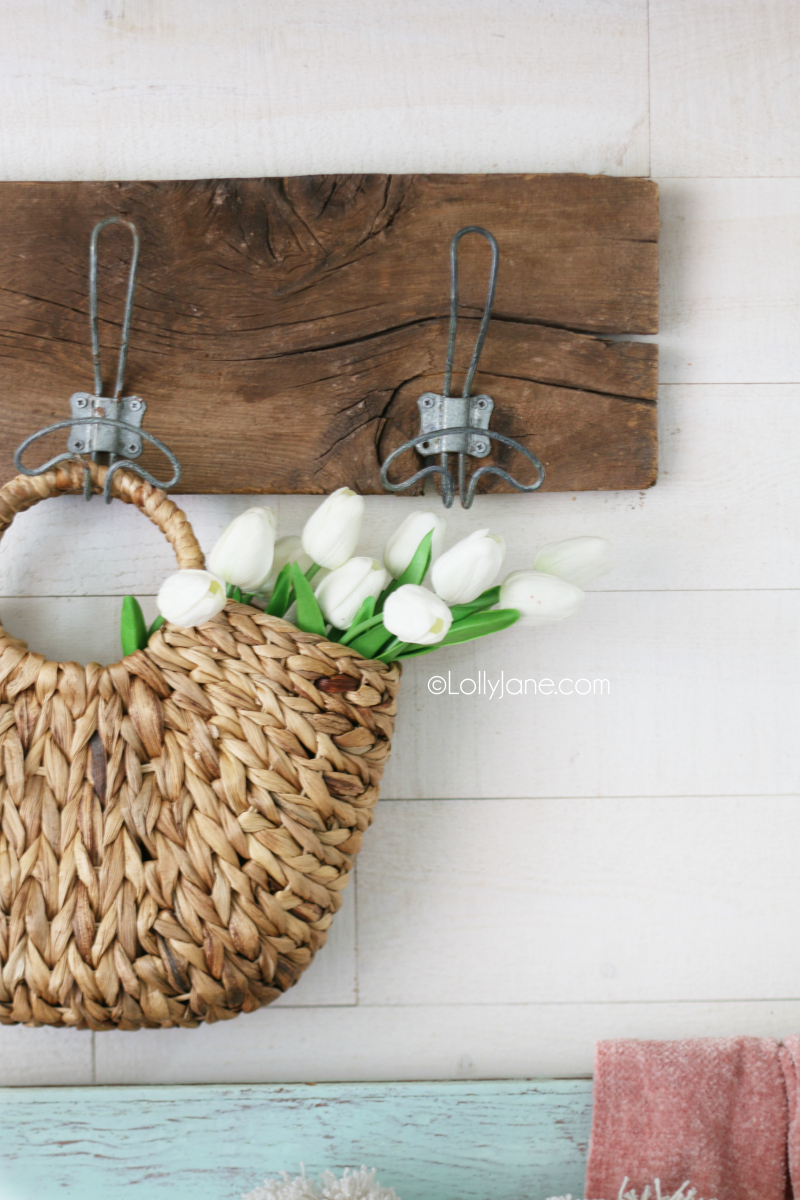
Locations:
{"points": [[284, 327]]}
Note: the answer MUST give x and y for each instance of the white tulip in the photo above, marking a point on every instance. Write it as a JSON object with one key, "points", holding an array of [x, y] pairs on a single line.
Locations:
{"points": [[404, 542], [469, 567], [191, 597], [243, 555], [579, 560], [341, 594], [414, 614], [287, 550], [331, 533], [540, 598]]}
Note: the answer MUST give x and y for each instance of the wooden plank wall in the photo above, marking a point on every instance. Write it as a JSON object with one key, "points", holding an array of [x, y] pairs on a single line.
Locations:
{"points": [[542, 872]]}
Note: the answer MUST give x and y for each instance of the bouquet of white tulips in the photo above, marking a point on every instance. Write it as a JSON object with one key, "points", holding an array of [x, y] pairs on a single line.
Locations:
{"points": [[383, 610]]}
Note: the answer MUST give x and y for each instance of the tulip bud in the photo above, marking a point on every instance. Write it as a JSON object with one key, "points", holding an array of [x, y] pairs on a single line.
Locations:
{"points": [[341, 594], [243, 555], [579, 560], [404, 542], [287, 550], [540, 598], [469, 567], [190, 597], [414, 614], [331, 533]]}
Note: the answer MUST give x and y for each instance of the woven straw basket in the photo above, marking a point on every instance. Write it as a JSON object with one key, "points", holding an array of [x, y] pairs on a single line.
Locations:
{"points": [[177, 828]]}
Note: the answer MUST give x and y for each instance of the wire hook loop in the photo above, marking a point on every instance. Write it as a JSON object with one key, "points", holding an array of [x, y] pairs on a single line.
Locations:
{"points": [[112, 424], [460, 425], [93, 314], [487, 312]]}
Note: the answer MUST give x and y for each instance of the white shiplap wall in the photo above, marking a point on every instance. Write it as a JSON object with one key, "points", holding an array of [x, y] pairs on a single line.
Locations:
{"points": [[543, 871]]}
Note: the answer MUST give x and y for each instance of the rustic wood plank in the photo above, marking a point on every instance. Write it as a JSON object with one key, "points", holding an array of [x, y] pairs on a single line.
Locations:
{"points": [[429, 1141], [284, 328]]}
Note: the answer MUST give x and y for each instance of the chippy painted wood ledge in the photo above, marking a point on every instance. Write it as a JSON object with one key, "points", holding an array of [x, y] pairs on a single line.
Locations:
{"points": [[486, 1140]]}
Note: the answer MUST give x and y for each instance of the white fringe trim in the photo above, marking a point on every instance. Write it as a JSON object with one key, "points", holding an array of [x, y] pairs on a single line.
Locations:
{"points": [[362, 1185], [653, 1193], [353, 1185]]}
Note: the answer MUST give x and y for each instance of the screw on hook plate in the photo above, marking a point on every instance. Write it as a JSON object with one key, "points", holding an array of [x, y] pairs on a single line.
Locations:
{"points": [[106, 425], [460, 424]]}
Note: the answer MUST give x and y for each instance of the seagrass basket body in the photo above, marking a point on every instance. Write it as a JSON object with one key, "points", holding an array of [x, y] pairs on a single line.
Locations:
{"points": [[177, 829]]}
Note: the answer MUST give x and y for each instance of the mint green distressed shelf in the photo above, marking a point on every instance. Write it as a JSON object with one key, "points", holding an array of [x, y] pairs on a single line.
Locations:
{"points": [[492, 1140]]}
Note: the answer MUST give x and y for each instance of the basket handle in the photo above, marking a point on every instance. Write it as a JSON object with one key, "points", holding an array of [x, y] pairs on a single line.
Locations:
{"points": [[24, 491]]}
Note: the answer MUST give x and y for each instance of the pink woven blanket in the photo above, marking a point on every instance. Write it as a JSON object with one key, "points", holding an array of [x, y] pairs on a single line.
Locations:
{"points": [[790, 1061], [713, 1111]]}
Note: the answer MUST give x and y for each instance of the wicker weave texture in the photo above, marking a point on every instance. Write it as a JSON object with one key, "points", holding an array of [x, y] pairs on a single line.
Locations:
{"points": [[176, 829]]}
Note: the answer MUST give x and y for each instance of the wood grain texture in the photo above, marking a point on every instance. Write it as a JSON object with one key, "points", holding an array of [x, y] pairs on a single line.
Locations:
{"points": [[730, 261], [724, 88], [284, 329], [429, 1141], [176, 92], [674, 537]]}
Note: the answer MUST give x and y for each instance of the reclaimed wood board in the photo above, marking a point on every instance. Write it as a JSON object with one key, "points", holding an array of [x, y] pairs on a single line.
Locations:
{"points": [[490, 1140], [284, 328]]}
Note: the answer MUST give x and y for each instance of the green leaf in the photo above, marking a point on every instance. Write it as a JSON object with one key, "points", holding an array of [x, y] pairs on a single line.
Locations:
{"points": [[486, 600], [237, 595], [360, 627], [159, 621], [132, 628], [417, 569], [365, 612], [394, 650], [415, 572], [372, 642], [309, 613], [281, 596], [480, 624]]}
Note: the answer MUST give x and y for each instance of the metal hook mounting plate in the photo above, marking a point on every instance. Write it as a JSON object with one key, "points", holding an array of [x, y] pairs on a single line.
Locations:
{"points": [[441, 412], [104, 438], [104, 424]]}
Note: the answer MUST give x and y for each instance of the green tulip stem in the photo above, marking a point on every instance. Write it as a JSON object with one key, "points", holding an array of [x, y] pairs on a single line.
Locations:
{"points": [[393, 650], [356, 630]]}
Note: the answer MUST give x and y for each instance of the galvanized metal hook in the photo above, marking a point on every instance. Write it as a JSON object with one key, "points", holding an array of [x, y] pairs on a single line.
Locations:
{"points": [[105, 425], [126, 320], [117, 465], [460, 425], [487, 312]]}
